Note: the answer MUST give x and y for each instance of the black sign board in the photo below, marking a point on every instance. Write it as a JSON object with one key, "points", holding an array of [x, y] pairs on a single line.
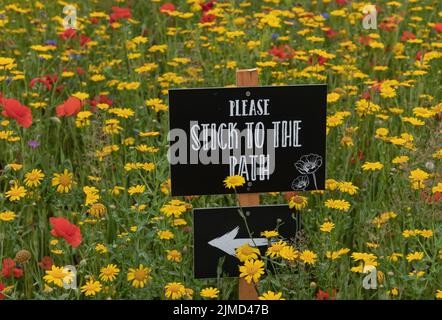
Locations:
{"points": [[272, 136], [219, 231]]}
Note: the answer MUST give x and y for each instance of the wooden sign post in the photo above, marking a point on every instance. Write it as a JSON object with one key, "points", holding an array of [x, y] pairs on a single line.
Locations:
{"points": [[247, 78]]}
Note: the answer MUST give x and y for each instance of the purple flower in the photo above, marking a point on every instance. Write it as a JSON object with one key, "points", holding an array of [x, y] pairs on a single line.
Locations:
{"points": [[33, 144], [51, 42]]}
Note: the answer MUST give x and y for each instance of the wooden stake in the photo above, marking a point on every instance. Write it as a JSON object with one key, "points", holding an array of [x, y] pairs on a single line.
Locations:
{"points": [[247, 78]]}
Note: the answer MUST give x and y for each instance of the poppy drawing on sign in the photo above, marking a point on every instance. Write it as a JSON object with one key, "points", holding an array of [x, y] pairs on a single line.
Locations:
{"points": [[307, 165], [300, 183]]}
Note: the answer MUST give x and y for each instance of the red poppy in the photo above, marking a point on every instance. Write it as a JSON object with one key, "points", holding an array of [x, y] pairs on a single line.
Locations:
{"points": [[320, 60], [48, 80], [119, 13], [365, 40], [407, 35], [206, 18], [289, 195], [84, 40], [366, 95], [100, 99], [46, 263], [14, 109], [70, 107], [341, 2], [330, 33], [7, 266], [389, 24], [438, 27], [68, 34], [282, 52], [428, 198], [18, 273], [360, 155], [9, 269], [2, 287], [325, 295], [66, 230], [167, 7], [418, 56], [207, 6]]}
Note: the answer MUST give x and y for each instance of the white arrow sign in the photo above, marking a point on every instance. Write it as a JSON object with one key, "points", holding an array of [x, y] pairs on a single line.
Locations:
{"points": [[228, 243]]}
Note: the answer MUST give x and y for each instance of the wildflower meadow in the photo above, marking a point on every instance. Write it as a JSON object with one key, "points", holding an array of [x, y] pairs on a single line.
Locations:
{"points": [[86, 210]]}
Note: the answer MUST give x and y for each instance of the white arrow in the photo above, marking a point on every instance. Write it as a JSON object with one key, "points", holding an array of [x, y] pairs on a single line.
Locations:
{"points": [[228, 243]]}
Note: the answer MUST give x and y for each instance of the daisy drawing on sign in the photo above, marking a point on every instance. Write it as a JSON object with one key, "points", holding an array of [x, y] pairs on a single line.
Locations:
{"points": [[307, 165]]}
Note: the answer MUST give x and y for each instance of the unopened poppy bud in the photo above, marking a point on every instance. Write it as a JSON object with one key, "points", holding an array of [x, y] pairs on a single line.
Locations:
{"points": [[23, 256]]}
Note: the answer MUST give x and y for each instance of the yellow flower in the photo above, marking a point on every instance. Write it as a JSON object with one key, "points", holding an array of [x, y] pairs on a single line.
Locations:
{"points": [[165, 235], [136, 189], [275, 249], [97, 210], [7, 216], [417, 178], [100, 248], [368, 258], [173, 210], [400, 159], [342, 205], [270, 295], [56, 275], [16, 193], [209, 292], [139, 276], [333, 97], [439, 294], [178, 222], [373, 166], [174, 290], [437, 188], [189, 293], [388, 92], [394, 292], [81, 95], [270, 234], [298, 202], [33, 178], [308, 257], [63, 181], [156, 104], [174, 255], [334, 255], [425, 233], [109, 273], [415, 256], [394, 257], [288, 253], [327, 226], [348, 187], [15, 166], [252, 270], [331, 184], [234, 181], [91, 288], [246, 252]]}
